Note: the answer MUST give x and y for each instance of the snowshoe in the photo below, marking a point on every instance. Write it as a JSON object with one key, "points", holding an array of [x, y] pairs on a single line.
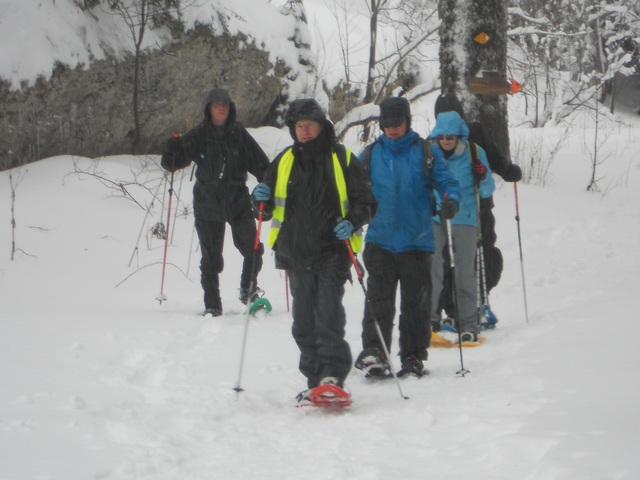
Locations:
{"points": [[303, 399], [439, 341], [470, 339], [448, 328], [489, 318], [261, 304], [450, 340], [327, 394]]}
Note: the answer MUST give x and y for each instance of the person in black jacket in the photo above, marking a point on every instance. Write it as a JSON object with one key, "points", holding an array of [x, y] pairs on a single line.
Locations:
{"points": [[319, 197], [224, 152], [509, 171]]}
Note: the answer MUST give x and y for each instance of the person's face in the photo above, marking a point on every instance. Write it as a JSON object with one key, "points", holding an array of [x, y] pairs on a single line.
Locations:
{"points": [[447, 142], [219, 113], [396, 132], [307, 130]]}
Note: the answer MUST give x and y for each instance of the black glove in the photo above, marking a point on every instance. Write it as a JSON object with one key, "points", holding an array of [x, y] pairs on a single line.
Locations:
{"points": [[448, 209], [480, 171], [172, 154], [512, 173]]}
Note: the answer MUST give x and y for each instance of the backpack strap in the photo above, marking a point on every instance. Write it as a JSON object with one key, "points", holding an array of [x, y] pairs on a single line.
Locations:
{"points": [[366, 157], [428, 157], [473, 150]]}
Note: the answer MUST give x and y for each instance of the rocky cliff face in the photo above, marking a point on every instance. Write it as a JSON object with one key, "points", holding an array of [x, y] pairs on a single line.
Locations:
{"points": [[90, 112]]}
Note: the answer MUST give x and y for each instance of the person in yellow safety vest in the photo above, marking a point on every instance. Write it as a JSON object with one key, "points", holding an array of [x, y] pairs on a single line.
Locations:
{"points": [[317, 196]]}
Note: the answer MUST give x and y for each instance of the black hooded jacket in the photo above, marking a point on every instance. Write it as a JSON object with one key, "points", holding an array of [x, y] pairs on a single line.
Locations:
{"points": [[307, 239], [223, 155]]}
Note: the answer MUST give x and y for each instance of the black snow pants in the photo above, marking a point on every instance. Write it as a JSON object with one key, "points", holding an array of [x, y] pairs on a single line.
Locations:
{"points": [[211, 235], [386, 269], [319, 322]]}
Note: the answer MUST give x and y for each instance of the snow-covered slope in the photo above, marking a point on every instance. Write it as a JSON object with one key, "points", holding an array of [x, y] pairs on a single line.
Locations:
{"points": [[99, 380]]}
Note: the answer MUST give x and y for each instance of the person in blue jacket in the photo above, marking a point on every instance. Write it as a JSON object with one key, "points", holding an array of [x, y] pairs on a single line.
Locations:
{"points": [[404, 170], [450, 135]]}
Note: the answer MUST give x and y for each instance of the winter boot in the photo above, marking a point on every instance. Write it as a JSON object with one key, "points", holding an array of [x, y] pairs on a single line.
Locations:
{"points": [[448, 324], [212, 300], [412, 366], [373, 363], [247, 297]]}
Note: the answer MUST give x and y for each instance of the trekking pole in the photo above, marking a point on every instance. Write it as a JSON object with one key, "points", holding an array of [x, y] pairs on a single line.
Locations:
{"points": [[175, 214], [524, 288], [162, 296], [193, 234], [144, 221], [452, 262], [483, 298], [286, 287], [373, 315], [256, 246]]}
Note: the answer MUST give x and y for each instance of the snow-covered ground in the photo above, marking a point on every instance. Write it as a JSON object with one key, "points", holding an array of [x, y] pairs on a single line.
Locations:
{"points": [[101, 381]]}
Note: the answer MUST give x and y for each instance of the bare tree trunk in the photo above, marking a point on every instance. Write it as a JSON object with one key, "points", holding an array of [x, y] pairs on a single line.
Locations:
{"points": [[461, 57], [370, 91], [144, 8]]}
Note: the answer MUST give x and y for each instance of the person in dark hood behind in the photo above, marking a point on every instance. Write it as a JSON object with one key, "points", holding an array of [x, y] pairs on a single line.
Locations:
{"points": [[510, 172], [224, 153], [319, 197]]}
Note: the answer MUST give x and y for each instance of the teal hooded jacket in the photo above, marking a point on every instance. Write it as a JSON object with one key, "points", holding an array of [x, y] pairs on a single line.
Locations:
{"points": [[450, 123]]}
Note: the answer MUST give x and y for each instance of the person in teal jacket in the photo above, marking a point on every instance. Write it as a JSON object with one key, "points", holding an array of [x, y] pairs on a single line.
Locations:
{"points": [[399, 243], [450, 135]]}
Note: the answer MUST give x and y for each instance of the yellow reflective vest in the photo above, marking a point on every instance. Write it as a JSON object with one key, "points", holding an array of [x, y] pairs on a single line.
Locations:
{"points": [[280, 196]]}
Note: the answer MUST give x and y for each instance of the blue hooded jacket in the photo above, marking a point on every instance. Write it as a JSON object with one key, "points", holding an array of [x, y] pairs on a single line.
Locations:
{"points": [[404, 191], [450, 123]]}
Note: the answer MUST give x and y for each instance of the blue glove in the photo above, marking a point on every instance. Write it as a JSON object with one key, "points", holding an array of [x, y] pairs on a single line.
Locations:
{"points": [[262, 192], [344, 230]]}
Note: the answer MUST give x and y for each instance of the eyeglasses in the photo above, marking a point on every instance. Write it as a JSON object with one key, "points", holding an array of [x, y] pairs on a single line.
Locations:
{"points": [[306, 125], [447, 137]]}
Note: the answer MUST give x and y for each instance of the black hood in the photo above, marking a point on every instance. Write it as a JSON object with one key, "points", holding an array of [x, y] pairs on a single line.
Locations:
{"points": [[448, 103], [220, 95], [308, 109]]}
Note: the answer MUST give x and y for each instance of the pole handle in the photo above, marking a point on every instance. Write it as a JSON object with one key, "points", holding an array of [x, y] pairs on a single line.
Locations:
{"points": [[352, 255]]}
